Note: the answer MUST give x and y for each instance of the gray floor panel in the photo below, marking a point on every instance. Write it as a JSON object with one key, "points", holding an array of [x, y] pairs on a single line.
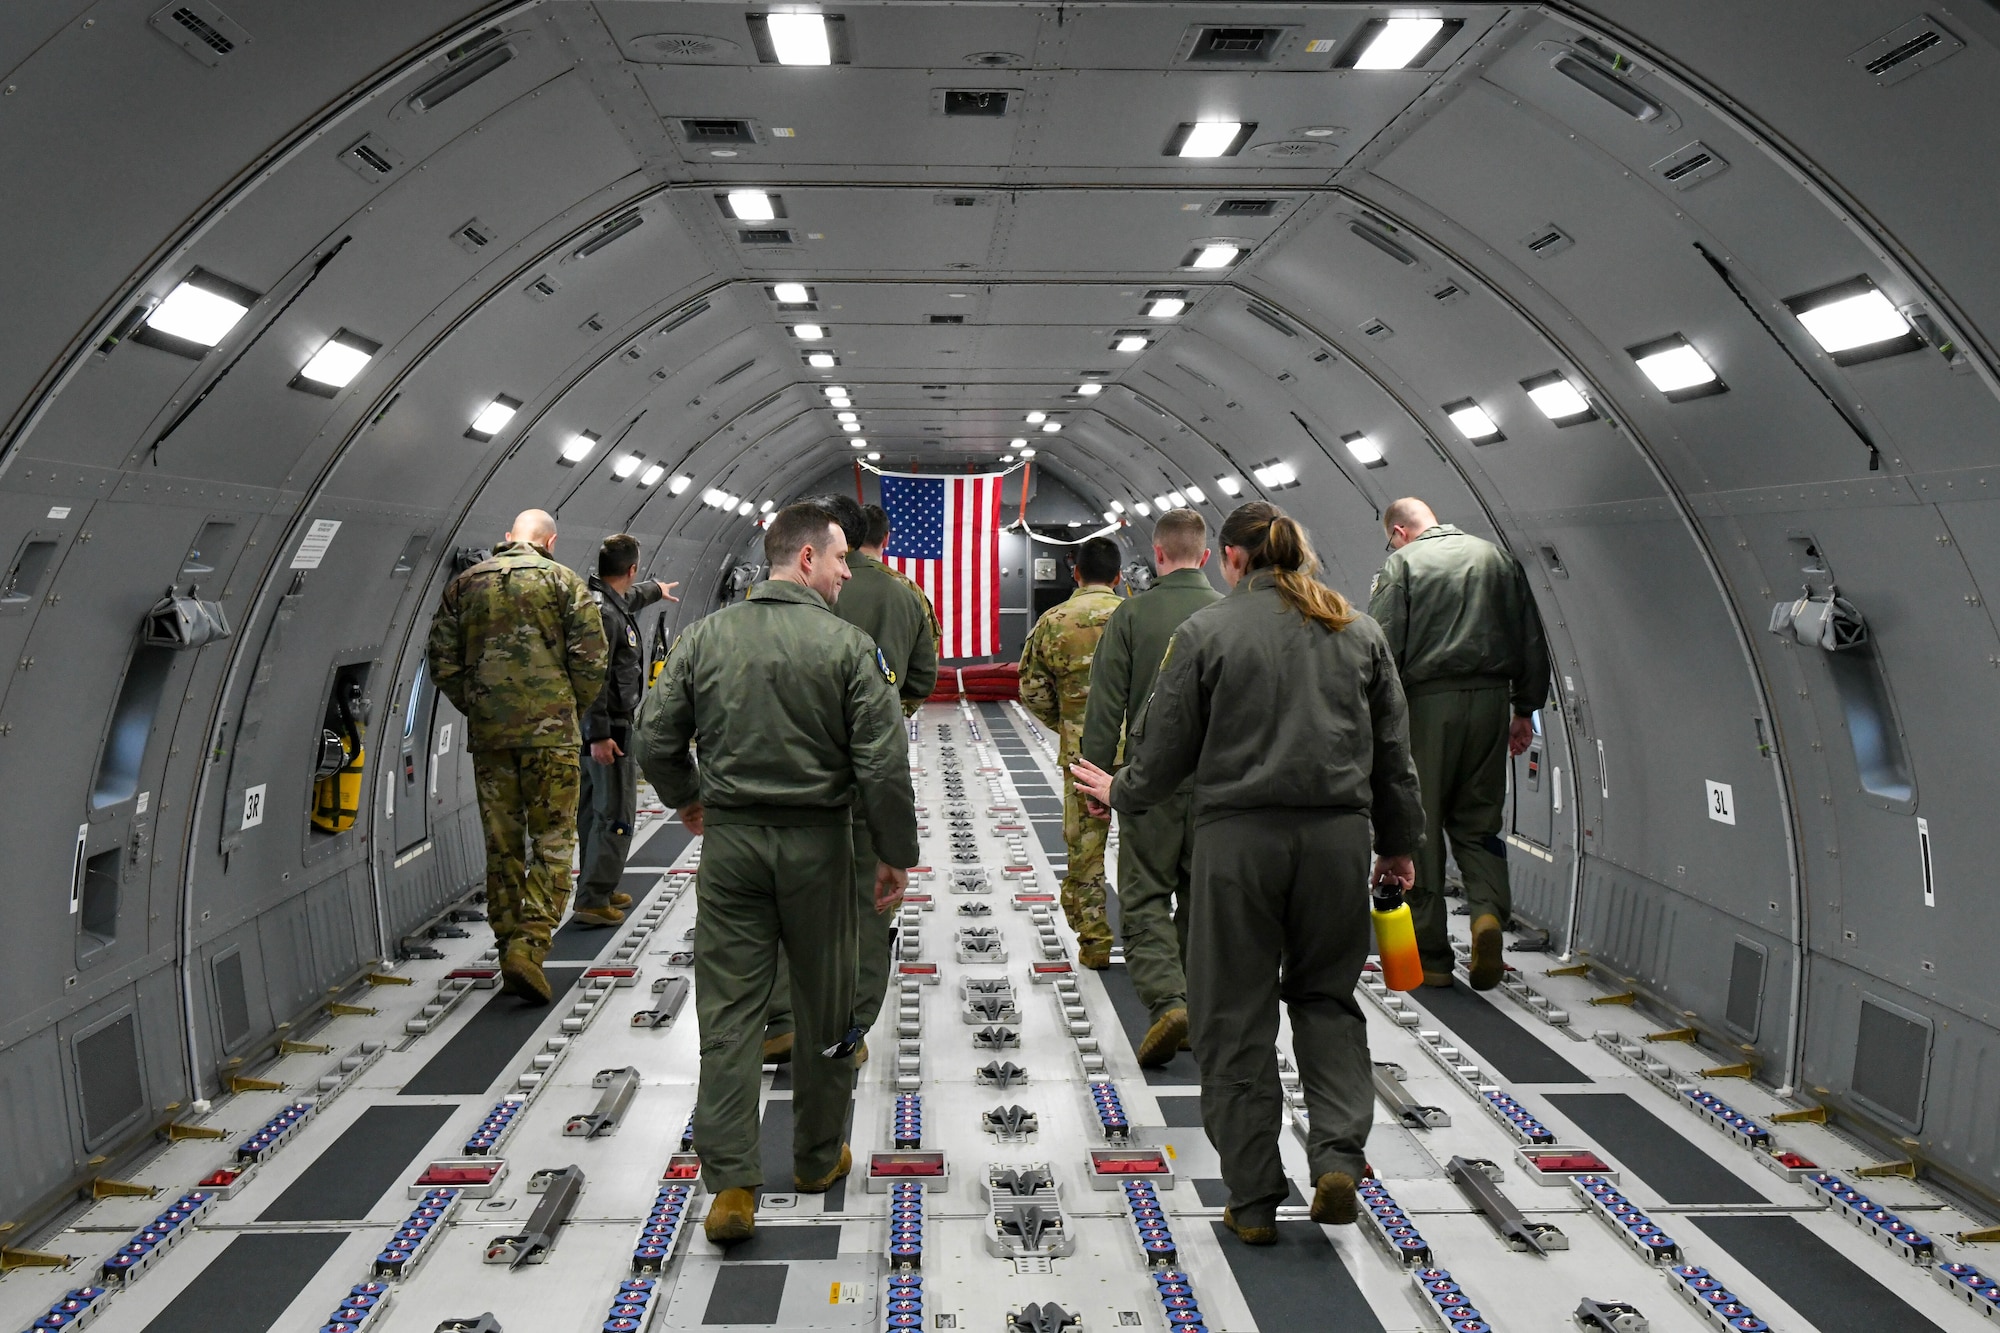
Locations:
{"points": [[1652, 1150], [249, 1286], [360, 1166], [1812, 1277]]}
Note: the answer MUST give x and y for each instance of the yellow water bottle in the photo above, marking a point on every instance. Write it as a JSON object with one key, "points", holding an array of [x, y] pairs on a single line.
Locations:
{"points": [[1396, 938]]}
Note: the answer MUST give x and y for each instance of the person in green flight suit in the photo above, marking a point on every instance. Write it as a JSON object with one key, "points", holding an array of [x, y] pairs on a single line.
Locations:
{"points": [[894, 612], [1154, 846], [1468, 641], [517, 645], [796, 723], [1055, 687]]}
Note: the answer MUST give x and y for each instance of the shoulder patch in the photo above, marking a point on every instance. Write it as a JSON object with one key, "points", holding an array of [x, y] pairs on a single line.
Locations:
{"points": [[883, 663], [1375, 584]]}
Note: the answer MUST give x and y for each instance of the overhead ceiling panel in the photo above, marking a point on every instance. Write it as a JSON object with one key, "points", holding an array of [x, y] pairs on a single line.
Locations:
{"points": [[1310, 38], [843, 231], [878, 37], [1147, 234]]}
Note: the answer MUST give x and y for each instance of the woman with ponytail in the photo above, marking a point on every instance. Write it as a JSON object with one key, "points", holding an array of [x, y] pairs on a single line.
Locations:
{"points": [[1282, 702]]}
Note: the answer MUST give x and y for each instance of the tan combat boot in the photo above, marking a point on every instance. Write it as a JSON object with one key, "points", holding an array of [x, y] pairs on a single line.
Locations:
{"points": [[621, 900], [1250, 1235], [1333, 1200], [521, 975], [1487, 967], [778, 1049], [597, 917], [1164, 1039], [732, 1217], [825, 1183]]}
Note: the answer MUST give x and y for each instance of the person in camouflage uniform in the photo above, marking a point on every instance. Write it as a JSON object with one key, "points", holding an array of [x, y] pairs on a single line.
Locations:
{"points": [[1055, 687], [518, 646]]}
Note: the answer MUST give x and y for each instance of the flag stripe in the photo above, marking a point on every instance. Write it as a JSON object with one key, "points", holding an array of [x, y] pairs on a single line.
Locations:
{"points": [[945, 536]]}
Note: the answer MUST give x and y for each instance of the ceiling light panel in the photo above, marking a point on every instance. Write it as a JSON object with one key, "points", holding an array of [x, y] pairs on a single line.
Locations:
{"points": [[1090, 390], [491, 419], [1214, 255], [793, 38], [1165, 307], [580, 447], [197, 314], [746, 509], [1161, 503], [1027, 451], [1229, 485], [680, 483], [651, 476], [809, 333], [1035, 418], [1558, 399], [1676, 369], [822, 360], [1364, 449], [626, 465], [1473, 422], [1853, 321], [1194, 493], [1051, 427], [1210, 138], [1276, 475], [1140, 508], [1131, 342], [334, 366], [792, 293], [845, 416], [1398, 43], [753, 206]]}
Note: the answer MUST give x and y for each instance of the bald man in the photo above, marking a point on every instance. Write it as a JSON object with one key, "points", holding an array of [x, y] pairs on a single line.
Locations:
{"points": [[1468, 643], [518, 646]]}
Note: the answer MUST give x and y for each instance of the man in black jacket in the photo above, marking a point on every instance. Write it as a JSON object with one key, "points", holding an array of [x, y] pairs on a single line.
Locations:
{"points": [[610, 779]]}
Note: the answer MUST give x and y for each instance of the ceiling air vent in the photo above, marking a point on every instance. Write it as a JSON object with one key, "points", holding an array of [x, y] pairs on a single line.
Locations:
{"points": [[680, 48], [1244, 208], [1271, 317], [595, 324], [1207, 45], [1601, 83], [765, 236], [938, 388], [542, 288], [633, 354], [371, 159], [961, 200], [1547, 240], [947, 319], [472, 236], [1292, 148], [1447, 293], [1377, 330], [718, 130], [1690, 166], [470, 63], [1915, 46], [1382, 241], [991, 103], [201, 30]]}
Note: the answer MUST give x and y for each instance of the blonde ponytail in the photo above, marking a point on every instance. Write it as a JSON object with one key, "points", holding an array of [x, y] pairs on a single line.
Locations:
{"points": [[1274, 540]]}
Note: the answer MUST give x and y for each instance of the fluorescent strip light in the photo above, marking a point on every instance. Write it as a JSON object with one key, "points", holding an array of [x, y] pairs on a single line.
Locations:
{"points": [[712, 498], [858, 442], [1006, 458], [1217, 256], [626, 466], [1559, 400], [1275, 475], [1139, 508], [751, 206], [1398, 43], [1210, 138], [1194, 494], [579, 447], [834, 390], [1473, 422], [1676, 368], [1160, 503], [1036, 418], [1179, 500], [1028, 452], [651, 476], [851, 427], [874, 458], [339, 360], [799, 39], [1017, 444], [1365, 450], [493, 418], [1110, 517], [808, 333], [1090, 390], [1130, 343], [845, 416], [197, 314], [1051, 427], [791, 293], [745, 509], [1166, 307], [1856, 321], [767, 506], [1117, 508], [821, 361], [680, 483], [1229, 485]]}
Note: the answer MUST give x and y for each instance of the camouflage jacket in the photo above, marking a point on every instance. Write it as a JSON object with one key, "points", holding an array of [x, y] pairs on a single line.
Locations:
{"points": [[517, 645], [1055, 663]]}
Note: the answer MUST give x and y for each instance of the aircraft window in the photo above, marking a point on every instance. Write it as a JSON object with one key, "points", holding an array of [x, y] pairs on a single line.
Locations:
{"points": [[131, 725]]}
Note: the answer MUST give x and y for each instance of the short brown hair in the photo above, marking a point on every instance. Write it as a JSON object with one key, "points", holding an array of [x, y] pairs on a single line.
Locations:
{"points": [[794, 528], [875, 525], [619, 553], [1182, 534]]}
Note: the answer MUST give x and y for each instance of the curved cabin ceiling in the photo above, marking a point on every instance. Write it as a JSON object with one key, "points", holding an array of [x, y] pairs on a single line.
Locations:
{"points": [[1690, 306]]}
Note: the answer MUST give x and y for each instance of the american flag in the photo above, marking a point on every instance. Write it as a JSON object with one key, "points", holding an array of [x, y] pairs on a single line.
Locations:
{"points": [[944, 533]]}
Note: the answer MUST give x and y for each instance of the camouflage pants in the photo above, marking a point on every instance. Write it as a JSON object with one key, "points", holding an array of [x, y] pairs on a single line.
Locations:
{"points": [[527, 805], [1083, 885]]}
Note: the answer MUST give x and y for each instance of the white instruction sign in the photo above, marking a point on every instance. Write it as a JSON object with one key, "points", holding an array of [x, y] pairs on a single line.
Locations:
{"points": [[1721, 803], [313, 549], [59, 511], [444, 739], [253, 807]]}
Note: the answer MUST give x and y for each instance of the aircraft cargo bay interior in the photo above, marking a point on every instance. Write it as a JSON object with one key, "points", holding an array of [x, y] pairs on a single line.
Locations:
{"points": [[324, 323]]}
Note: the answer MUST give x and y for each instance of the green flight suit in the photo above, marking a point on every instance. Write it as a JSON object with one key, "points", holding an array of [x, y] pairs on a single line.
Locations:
{"points": [[894, 612], [1154, 847], [791, 712], [518, 647], [1461, 620], [1295, 736], [1055, 687]]}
